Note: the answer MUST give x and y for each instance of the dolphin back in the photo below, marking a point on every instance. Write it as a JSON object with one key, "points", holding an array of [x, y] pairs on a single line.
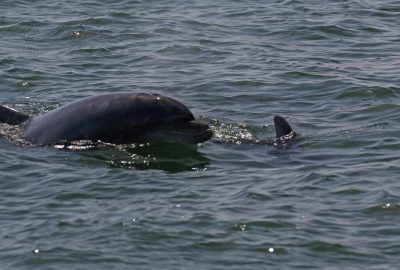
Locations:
{"points": [[11, 116]]}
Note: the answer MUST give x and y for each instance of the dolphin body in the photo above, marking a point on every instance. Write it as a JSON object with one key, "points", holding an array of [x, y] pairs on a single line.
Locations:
{"points": [[119, 118], [115, 118]]}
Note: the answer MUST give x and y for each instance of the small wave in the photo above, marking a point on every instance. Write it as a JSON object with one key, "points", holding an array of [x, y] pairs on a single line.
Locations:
{"points": [[367, 92], [387, 208]]}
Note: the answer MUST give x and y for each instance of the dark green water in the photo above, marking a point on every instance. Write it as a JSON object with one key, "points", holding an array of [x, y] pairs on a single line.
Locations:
{"points": [[331, 201]]}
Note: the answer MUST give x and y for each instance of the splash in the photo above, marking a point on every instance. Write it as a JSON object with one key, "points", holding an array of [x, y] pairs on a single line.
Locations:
{"points": [[237, 133], [12, 133]]}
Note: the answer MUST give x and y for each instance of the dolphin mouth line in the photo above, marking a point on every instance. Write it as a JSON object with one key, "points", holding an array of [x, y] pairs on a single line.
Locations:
{"points": [[191, 127], [185, 131], [205, 134]]}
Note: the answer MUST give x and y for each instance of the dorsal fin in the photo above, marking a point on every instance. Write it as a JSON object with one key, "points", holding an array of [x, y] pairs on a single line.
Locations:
{"points": [[11, 116], [282, 126]]}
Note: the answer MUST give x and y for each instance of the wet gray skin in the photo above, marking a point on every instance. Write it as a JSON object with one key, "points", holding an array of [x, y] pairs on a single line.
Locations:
{"points": [[119, 118]]}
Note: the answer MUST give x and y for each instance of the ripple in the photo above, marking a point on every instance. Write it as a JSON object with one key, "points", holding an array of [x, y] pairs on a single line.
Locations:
{"points": [[330, 67], [71, 196], [387, 208], [320, 246], [368, 92]]}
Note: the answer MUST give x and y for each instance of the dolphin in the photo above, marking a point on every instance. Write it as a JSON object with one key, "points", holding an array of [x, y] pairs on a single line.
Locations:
{"points": [[119, 118]]}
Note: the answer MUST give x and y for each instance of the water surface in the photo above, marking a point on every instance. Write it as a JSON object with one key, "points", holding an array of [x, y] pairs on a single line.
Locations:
{"points": [[331, 201]]}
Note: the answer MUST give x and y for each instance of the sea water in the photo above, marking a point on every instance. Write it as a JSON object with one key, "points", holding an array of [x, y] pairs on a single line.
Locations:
{"points": [[329, 201]]}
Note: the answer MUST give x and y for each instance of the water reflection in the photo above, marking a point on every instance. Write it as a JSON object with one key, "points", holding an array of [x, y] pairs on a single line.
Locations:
{"points": [[170, 157]]}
